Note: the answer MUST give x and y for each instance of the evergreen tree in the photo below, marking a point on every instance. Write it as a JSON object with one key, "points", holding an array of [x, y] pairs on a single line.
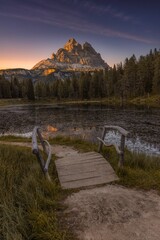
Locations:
{"points": [[30, 90], [156, 78]]}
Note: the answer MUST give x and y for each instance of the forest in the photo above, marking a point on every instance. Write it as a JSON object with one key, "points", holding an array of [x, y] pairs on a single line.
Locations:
{"points": [[133, 78]]}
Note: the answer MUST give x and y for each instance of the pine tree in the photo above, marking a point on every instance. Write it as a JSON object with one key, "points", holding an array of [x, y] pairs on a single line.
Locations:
{"points": [[156, 78], [30, 90]]}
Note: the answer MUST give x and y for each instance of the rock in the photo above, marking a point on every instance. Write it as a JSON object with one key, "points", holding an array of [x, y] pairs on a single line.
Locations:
{"points": [[74, 53], [73, 57]]}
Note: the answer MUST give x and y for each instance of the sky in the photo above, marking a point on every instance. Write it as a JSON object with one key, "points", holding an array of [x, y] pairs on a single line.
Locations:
{"points": [[31, 30]]}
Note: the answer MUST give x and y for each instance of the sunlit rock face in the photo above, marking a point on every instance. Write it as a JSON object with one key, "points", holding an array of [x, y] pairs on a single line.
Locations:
{"points": [[74, 56]]}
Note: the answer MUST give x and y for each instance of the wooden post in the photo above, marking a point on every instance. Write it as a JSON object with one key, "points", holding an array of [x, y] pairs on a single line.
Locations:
{"points": [[42, 141], [101, 143], [120, 149], [121, 158], [40, 160], [44, 165]]}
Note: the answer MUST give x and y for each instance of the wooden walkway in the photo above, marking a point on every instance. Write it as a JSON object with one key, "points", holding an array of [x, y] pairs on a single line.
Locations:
{"points": [[84, 169], [76, 169]]}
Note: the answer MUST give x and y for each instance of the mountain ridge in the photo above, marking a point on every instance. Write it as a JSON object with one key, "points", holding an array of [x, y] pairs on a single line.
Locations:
{"points": [[73, 57]]}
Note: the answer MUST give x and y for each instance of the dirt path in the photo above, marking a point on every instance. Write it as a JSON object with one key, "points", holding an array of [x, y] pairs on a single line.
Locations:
{"points": [[110, 212], [114, 213]]}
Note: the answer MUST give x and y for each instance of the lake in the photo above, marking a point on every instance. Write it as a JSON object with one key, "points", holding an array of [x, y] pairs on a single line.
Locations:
{"points": [[142, 123]]}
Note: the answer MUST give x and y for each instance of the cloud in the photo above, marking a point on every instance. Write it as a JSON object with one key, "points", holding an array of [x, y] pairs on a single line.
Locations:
{"points": [[101, 9], [64, 17], [80, 26]]}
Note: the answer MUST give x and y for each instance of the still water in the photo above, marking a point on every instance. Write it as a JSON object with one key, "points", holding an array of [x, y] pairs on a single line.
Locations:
{"points": [[142, 123]]}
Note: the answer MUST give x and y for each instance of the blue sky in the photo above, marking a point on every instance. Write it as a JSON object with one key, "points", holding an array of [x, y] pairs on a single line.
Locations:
{"points": [[32, 29]]}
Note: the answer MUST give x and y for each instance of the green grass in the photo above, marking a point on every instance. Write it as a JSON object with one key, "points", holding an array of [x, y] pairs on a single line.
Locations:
{"points": [[29, 203], [30, 206], [139, 171], [152, 101], [11, 138], [77, 143]]}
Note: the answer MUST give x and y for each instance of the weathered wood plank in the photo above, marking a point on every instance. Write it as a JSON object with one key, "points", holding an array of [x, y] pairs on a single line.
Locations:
{"points": [[99, 168], [84, 170], [81, 166], [83, 161], [81, 176], [88, 182]]}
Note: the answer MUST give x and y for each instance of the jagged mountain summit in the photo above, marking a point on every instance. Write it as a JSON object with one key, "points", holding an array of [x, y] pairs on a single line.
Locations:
{"points": [[73, 56]]}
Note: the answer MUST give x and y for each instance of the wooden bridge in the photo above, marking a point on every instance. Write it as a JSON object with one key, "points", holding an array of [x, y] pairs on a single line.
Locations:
{"points": [[76, 169], [84, 169]]}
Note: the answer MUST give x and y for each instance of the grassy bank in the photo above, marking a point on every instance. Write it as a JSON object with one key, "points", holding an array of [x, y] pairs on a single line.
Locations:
{"points": [[12, 138], [139, 171], [29, 204], [152, 101]]}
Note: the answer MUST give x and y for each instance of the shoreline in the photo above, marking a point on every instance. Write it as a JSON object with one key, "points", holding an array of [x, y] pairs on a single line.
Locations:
{"points": [[149, 101]]}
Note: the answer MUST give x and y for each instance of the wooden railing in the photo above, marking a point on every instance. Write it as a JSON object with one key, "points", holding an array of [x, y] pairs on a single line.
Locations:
{"points": [[119, 149], [46, 148]]}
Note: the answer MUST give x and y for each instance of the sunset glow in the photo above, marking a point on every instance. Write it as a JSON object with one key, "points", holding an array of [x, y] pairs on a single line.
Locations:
{"points": [[33, 30]]}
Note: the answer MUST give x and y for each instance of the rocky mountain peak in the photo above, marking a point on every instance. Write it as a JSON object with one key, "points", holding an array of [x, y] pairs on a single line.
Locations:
{"points": [[74, 53], [88, 47], [71, 44]]}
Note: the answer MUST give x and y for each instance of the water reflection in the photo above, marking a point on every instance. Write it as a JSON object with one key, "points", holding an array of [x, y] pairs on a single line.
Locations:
{"points": [[142, 123]]}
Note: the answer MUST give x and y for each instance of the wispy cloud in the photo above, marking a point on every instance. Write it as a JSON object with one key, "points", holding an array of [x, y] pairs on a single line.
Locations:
{"points": [[79, 25], [101, 9]]}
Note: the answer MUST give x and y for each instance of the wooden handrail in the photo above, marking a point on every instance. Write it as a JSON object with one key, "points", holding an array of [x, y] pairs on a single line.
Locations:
{"points": [[119, 149], [35, 149], [119, 129], [110, 145]]}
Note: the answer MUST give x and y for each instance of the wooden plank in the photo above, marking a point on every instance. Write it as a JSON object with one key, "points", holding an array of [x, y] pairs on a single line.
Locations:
{"points": [[81, 166], [81, 176], [89, 182], [81, 156], [80, 160], [84, 170], [99, 168]]}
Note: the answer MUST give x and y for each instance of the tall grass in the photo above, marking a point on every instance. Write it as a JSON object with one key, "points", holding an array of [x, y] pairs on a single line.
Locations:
{"points": [[140, 171], [77, 143], [12, 138], [28, 203]]}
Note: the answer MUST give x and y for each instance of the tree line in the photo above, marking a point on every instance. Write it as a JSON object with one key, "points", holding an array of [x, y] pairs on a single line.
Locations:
{"points": [[131, 79], [16, 88]]}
